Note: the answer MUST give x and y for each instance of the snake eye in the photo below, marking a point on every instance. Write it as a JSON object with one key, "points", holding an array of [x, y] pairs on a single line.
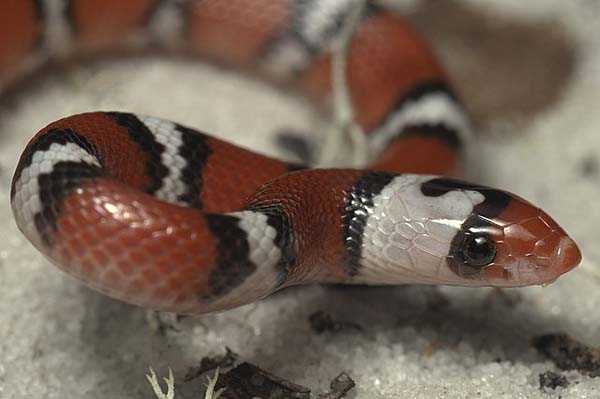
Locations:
{"points": [[478, 251]]}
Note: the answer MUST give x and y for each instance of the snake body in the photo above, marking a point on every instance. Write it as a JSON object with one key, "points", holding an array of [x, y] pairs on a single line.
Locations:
{"points": [[165, 216]]}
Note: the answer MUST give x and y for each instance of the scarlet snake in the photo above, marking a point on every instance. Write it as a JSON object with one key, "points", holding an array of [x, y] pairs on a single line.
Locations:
{"points": [[163, 216]]}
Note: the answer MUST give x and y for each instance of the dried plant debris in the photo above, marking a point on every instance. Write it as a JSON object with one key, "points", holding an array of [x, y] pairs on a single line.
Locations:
{"points": [[552, 380], [247, 381], [158, 392], [211, 393], [210, 363], [339, 387], [323, 322], [569, 354]]}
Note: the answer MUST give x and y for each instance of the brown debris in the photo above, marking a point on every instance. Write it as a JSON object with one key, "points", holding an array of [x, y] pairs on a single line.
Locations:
{"points": [[247, 381], [551, 380], [211, 363], [321, 322], [339, 387], [569, 354]]}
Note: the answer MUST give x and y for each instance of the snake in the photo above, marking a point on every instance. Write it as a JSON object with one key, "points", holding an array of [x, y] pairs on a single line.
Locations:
{"points": [[168, 217]]}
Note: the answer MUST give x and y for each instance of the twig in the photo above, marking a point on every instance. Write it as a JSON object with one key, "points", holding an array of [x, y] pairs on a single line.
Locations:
{"points": [[210, 387], [170, 381]]}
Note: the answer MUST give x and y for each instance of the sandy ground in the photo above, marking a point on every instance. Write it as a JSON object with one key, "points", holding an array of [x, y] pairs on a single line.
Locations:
{"points": [[531, 76]]}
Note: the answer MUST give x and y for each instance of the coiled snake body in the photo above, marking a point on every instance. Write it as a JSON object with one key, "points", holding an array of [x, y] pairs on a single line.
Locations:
{"points": [[161, 215]]}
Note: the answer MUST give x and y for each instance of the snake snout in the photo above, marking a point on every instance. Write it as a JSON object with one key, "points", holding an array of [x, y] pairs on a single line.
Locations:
{"points": [[558, 253], [567, 255]]}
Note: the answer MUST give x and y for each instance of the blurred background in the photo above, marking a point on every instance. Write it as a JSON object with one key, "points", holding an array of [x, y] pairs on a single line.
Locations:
{"points": [[529, 74]]}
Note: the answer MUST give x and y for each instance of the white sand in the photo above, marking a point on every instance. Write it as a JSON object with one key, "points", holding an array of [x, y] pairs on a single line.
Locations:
{"points": [[60, 340]]}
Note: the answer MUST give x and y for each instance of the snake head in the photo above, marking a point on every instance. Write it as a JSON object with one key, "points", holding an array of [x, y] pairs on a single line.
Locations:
{"points": [[506, 241], [433, 230]]}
